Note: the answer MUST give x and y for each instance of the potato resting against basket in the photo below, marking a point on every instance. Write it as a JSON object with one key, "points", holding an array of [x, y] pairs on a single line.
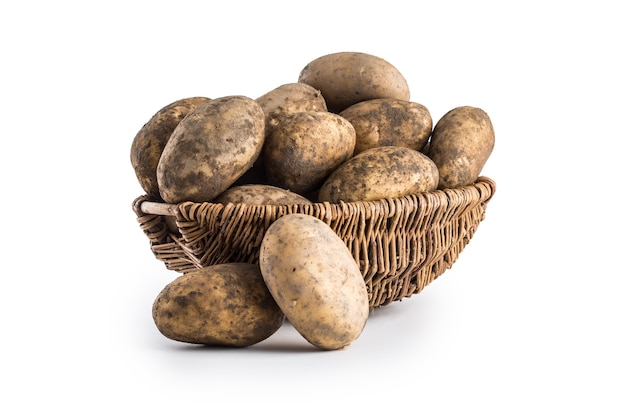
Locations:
{"points": [[347, 132]]}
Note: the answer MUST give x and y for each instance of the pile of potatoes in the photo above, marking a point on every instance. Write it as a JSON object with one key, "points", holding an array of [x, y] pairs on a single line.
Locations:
{"points": [[347, 130]]}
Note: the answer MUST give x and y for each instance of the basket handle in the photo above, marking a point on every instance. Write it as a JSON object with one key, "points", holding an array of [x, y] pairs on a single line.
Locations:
{"points": [[162, 209]]}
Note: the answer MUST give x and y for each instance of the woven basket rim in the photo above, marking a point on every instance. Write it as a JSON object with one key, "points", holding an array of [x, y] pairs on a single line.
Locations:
{"points": [[145, 204]]}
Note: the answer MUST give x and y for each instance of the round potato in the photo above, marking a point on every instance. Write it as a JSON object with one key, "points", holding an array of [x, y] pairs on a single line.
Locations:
{"points": [[382, 172], [389, 122], [288, 99], [315, 280], [224, 305], [210, 149], [260, 194], [148, 144], [305, 148], [346, 78], [461, 143]]}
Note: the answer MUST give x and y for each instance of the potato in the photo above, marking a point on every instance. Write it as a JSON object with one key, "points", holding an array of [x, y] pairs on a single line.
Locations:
{"points": [[260, 194], [461, 143], [148, 144], [288, 99], [210, 149], [382, 172], [389, 122], [315, 280], [224, 305], [305, 148], [346, 78]]}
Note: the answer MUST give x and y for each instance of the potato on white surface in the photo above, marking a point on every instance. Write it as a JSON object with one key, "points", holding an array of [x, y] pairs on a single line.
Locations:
{"points": [[223, 305], [315, 280]]}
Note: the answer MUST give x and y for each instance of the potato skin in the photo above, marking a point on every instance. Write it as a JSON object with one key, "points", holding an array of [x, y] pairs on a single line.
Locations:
{"points": [[148, 143], [305, 148], [260, 194], [222, 305], [210, 149], [461, 143], [346, 78], [389, 122], [315, 280], [382, 172], [288, 99]]}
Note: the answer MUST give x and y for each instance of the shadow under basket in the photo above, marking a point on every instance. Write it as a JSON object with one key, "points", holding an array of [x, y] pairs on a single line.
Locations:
{"points": [[400, 244]]}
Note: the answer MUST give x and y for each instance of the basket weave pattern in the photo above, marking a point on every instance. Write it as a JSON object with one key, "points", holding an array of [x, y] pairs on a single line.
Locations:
{"points": [[401, 244]]}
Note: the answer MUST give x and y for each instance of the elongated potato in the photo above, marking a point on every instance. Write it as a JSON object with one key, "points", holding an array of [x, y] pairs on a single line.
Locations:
{"points": [[382, 172], [315, 280], [288, 99], [210, 149], [346, 78], [224, 305], [305, 148], [389, 122], [461, 143], [260, 194], [148, 144]]}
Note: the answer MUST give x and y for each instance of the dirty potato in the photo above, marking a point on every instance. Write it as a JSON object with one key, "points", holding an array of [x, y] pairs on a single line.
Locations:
{"points": [[305, 148], [260, 194], [389, 122], [461, 143], [148, 144], [210, 149], [288, 99], [315, 280], [346, 78], [382, 172], [222, 305]]}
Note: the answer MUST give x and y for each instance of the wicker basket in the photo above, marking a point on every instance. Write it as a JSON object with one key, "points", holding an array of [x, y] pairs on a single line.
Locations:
{"points": [[401, 244]]}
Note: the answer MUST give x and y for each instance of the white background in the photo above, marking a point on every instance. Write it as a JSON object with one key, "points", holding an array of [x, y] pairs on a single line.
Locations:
{"points": [[529, 321]]}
